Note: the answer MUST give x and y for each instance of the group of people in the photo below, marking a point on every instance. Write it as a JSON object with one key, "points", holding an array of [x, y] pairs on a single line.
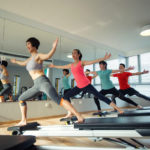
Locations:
{"points": [[42, 83]]}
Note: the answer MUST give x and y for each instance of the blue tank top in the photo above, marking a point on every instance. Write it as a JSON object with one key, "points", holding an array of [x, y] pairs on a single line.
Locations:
{"points": [[33, 65], [65, 82]]}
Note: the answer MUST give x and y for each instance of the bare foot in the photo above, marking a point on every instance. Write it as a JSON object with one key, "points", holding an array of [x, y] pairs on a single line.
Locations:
{"points": [[121, 111], [69, 115], [80, 119], [139, 106], [22, 123]]}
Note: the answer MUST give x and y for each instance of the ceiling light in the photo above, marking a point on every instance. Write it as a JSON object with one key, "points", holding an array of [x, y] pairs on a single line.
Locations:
{"points": [[145, 31], [69, 56]]}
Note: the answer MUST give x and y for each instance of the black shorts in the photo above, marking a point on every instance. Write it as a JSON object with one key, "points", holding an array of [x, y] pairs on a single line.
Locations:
{"points": [[112, 91], [129, 91]]}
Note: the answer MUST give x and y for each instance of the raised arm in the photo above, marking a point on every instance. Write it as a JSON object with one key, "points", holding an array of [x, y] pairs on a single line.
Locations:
{"points": [[60, 67], [68, 75], [21, 63], [50, 54], [139, 73], [127, 69], [107, 56]]}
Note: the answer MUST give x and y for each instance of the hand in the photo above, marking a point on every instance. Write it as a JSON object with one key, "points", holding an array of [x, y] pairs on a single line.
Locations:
{"points": [[55, 43], [51, 65], [13, 60], [131, 68], [145, 71], [107, 56]]}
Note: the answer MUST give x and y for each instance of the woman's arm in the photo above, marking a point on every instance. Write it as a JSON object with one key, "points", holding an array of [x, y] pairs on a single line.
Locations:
{"points": [[68, 75], [50, 54], [107, 56], [60, 67], [94, 73], [21, 63], [139, 73], [127, 69]]}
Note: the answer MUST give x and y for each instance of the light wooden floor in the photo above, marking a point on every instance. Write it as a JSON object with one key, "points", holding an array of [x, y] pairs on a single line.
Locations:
{"points": [[62, 141]]}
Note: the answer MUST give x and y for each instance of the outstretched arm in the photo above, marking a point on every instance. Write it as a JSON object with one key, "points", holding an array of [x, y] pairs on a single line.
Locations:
{"points": [[127, 69], [107, 56], [50, 54], [139, 73], [60, 67], [21, 63], [94, 73]]}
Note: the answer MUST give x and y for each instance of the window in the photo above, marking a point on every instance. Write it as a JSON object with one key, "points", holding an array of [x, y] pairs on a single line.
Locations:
{"points": [[145, 64], [97, 79], [133, 61], [114, 65]]}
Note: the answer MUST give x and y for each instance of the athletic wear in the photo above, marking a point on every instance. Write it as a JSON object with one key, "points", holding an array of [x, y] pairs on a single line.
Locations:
{"points": [[65, 82], [90, 89], [65, 91], [33, 65], [41, 84], [132, 91], [125, 87], [2, 76], [115, 94], [90, 78], [6, 89], [123, 79], [78, 73], [105, 79]]}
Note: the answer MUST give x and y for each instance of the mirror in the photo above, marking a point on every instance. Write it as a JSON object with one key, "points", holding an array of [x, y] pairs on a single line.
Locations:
{"points": [[13, 38]]}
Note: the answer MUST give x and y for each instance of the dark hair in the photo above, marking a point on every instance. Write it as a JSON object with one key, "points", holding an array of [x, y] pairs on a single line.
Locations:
{"points": [[88, 70], [79, 52], [4, 63], [123, 65], [103, 63], [34, 42], [66, 70]]}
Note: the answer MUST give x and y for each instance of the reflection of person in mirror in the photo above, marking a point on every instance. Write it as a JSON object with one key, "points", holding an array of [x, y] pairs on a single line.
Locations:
{"points": [[66, 86], [7, 88], [34, 65]]}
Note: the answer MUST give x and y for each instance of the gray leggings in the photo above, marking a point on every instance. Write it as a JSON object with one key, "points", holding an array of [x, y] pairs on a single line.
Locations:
{"points": [[6, 89], [41, 84]]}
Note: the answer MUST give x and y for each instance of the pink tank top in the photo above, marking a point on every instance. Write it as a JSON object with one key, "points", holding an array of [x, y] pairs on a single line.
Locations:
{"points": [[78, 73]]}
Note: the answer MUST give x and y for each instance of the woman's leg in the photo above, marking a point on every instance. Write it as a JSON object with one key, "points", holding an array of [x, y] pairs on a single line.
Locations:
{"points": [[92, 90], [142, 96], [50, 91], [30, 93], [97, 102]]}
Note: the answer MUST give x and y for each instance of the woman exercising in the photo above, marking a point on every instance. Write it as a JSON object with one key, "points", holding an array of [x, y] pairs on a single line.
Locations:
{"points": [[83, 83], [107, 85], [123, 82], [7, 88], [41, 82]]}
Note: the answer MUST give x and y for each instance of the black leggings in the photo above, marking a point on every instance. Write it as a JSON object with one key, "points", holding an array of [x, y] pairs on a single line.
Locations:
{"points": [[90, 89], [132, 91], [115, 94], [65, 91]]}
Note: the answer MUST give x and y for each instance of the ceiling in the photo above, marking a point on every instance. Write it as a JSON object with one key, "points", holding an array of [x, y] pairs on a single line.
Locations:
{"points": [[101, 24]]}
